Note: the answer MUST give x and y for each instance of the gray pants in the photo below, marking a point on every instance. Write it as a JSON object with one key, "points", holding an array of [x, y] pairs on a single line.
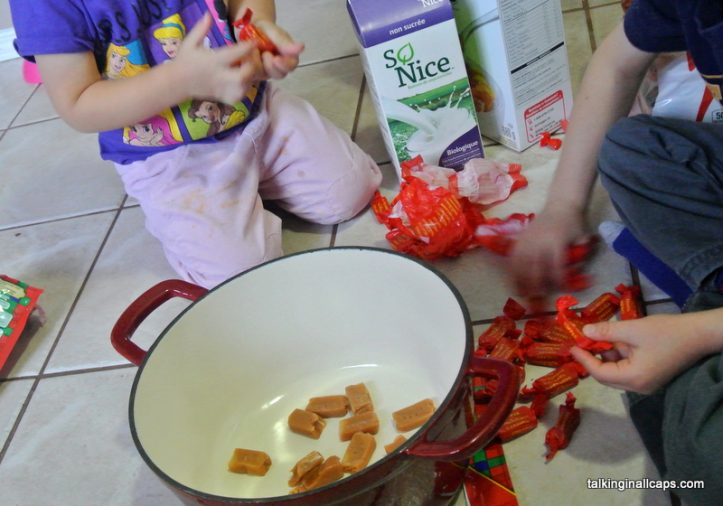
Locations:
{"points": [[665, 178]]}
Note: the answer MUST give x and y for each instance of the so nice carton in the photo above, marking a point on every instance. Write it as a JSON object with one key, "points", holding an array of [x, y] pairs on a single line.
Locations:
{"points": [[417, 77]]}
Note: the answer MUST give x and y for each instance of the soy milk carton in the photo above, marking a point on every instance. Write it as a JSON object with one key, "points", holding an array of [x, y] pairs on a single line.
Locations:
{"points": [[417, 77], [518, 67]]}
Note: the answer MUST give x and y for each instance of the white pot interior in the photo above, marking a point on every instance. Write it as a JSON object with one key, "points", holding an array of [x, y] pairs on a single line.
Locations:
{"points": [[231, 369]]}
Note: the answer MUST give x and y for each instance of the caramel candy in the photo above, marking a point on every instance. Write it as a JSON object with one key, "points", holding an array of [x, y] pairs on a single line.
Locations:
{"points": [[358, 452], [413, 416], [398, 441], [328, 472], [249, 462], [306, 423], [359, 398], [329, 406], [364, 422], [304, 466]]}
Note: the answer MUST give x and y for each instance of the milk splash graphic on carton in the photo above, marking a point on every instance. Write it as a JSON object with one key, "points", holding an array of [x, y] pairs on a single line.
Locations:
{"points": [[417, 77]]}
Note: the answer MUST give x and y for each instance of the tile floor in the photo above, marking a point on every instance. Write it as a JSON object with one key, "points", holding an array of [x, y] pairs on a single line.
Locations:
{"points": [[67, 226]]}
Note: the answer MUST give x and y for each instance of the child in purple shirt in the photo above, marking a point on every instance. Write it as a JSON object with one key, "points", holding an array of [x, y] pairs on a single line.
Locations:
{"points": [[197, 134]]}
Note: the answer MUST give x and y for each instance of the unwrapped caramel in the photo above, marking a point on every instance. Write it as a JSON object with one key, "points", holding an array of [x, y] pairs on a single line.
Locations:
{"points": [[253, 462], [365, 422], [306, 423], [305, 466], [329, 471], [360, 450], [413, 416], [329, 406], [359, 398], [398, 441]]}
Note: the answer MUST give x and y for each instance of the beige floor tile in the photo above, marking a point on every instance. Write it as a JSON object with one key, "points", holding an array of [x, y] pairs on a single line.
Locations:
{"points": [[578, 46], [570, 4], [132, 261], [597, 3], [323, 25], [55, 257], [332, 87], [604, 20], [15, 91], [74, 447], [38, 108], [51, 171], [368, 133], [12, 398]]}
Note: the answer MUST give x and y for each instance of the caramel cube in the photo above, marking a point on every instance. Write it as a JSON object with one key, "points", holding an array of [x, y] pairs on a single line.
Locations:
{"points": [[359, 398], [328, 472], [364, 422], [413, 416], [305, 466], [329, 406], [306, 423], [359, 452], [253, 462], [398, 441]]}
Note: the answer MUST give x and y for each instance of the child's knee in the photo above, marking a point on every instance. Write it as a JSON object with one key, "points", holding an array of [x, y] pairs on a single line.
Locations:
{"points": [[212, 263], [620, 144], [352, 192]]}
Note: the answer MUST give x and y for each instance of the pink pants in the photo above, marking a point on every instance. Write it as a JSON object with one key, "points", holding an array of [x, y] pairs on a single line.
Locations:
{"points": [[204, 201]]}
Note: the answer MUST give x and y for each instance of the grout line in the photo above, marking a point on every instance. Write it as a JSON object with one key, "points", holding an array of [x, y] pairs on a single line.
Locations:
{"points": [[357, 113], [23, 106], [66, 218], [89, 370], [37, 379], [36, 122], [590, 27], [334, 230], [328, 60]]}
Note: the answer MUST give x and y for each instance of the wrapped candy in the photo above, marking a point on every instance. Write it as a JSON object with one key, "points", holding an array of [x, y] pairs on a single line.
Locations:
{"points": [[629, 302], [572, 324], [507, 349], [548, 354], [438, 212], [601, 309], [559, 436], [17, 302], [547, 140], [539, 405], [514, 309], [519, 422], [500, 327], [553, 383], [247, 31]]}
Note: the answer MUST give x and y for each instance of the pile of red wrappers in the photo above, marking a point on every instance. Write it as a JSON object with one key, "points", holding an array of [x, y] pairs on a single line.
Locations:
{"points": [[439, 212], [547, 342]]}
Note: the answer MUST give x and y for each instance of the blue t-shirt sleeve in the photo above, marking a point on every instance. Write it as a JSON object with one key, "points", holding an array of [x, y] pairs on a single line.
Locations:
{"points": [[654, 26], [51, 27]]}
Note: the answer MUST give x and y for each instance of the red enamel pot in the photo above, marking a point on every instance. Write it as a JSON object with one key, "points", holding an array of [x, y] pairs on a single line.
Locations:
{"points": [[228, 371]]}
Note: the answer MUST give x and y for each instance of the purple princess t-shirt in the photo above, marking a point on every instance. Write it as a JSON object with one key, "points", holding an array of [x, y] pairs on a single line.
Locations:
{"points": [[129, 37]]}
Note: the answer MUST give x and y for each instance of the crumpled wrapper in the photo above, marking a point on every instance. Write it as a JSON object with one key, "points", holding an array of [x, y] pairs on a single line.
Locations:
{"points": [[439, 212]]}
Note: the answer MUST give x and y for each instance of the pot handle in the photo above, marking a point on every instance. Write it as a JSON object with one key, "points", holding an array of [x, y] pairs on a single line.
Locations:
{"points": [[143, 306], [466, 445]]}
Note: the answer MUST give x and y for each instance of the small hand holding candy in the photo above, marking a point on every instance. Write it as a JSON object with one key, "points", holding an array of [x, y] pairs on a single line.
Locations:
{"points": [[279, 52], [651, 351]]}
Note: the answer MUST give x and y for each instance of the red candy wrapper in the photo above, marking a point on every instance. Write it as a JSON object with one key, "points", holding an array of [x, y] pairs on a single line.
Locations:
{"points": [[553, 383], [514, 309], [520, 421], [629, 302], [547, 140], [434, 215], [571, 323], [247, 31], [539, 405], [17, 301], [548, 354], [559, 436], [501, 326], [601, 309]]}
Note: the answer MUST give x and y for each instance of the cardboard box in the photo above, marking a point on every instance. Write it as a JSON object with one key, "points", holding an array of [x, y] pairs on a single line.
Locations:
{"points": [[518, 66], [418, 80]]}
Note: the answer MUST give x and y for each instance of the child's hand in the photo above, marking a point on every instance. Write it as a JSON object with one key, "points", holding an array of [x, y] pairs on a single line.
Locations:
{"points": [[277, 67], [538, 260], [223, 74], [648, 353]]}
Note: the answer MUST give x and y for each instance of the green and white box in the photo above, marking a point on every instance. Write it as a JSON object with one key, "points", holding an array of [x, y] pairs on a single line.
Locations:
{"points": [[518, 66], [418, 80]]}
